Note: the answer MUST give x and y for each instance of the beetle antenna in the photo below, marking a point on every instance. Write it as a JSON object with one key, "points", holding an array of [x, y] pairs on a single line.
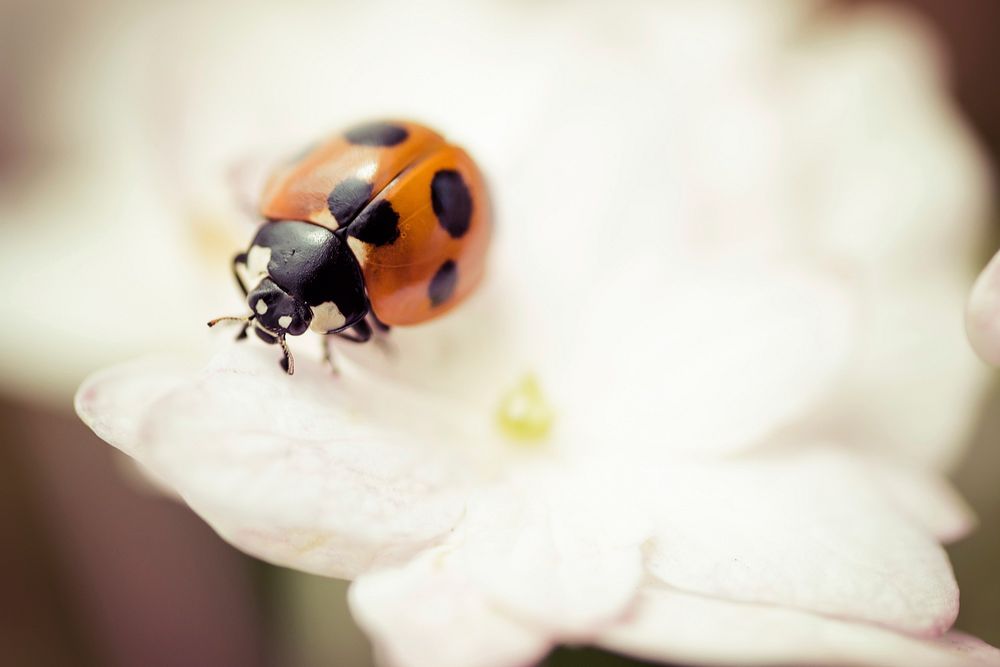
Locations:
{"points": [[288, 363], [231, 318]]}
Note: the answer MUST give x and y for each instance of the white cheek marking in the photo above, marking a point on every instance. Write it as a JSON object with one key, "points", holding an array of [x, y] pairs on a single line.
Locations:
{"points": [[260, 307], [327, 317], [284, 321], [258, 259], [255, 269]]}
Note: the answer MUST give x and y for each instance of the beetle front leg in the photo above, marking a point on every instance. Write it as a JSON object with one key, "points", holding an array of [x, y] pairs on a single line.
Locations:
{"points": [[377, 324], [328, 354], [362, 333], [240, 260]]}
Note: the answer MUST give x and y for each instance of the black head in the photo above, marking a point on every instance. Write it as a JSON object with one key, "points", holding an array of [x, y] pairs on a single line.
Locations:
{"points": [[298, 275], [317, 266], [278, 312]]}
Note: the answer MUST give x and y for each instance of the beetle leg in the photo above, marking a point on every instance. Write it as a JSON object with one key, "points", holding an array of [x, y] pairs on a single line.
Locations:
{"points": [[237, 260], [382, 338], [360, 333], [328, 355], [378, 324], [287, 362]]}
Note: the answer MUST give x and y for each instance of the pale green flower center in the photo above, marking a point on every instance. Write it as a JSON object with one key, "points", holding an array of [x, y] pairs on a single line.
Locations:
{"points": [[524, 414]]}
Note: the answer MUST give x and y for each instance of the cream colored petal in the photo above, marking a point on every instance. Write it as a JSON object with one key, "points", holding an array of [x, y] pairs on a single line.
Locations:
{"points": [[704, 360], [324, 474], [676, 627], [927, 498], [115, 401], [426, 613], [557, 546], [891, 187], [982, 315], [814, 532]]}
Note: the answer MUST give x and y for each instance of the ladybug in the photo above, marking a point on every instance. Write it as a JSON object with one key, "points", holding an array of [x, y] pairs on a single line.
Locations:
{"points": [[385, 224]]}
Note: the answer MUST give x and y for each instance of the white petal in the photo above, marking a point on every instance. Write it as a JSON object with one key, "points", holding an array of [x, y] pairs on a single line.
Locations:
{"points": [[926, 498], [560, 549], [891, 186], [812, 532], [114, 401], [914, 388], [715, 358], [982, 317], [543, 558], [323, 474], [427, 613], [679, 628], [916, 198]]}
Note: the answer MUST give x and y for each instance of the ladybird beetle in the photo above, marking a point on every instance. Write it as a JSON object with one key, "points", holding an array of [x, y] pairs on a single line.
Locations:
{"points": [[382, 225]]}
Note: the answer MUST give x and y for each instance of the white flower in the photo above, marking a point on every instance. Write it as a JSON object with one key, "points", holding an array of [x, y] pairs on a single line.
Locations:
{"points": [[983, 313], [731, 244]]}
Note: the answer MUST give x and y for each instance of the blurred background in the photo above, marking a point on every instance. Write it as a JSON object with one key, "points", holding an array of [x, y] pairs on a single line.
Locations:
{"points": [[99, 569]]}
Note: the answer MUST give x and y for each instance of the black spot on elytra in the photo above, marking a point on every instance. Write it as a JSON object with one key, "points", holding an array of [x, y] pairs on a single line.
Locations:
{"points": [[377, 134], [378, 224], [347, 198], [452, 202], [443, 283]]}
